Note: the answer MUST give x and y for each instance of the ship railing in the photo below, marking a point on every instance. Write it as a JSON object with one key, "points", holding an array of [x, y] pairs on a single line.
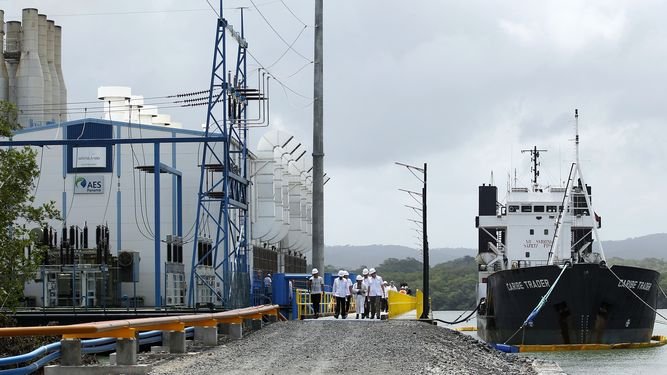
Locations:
{"points": [[121, 335], [537, 263]]}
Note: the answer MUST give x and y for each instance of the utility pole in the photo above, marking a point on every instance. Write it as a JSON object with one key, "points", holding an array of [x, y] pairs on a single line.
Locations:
{"points": [[318, 142], [424, 232], [427, 308]]}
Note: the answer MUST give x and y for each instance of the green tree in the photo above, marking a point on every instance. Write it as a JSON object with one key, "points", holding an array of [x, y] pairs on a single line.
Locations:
{"points": [[18, 170]]}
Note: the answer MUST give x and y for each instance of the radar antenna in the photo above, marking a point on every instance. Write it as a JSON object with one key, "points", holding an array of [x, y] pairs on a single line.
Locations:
{"points": [[534, 156]]}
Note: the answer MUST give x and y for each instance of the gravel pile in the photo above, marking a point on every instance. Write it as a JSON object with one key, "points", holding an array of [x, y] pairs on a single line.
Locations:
{"points": [[351, 347]]}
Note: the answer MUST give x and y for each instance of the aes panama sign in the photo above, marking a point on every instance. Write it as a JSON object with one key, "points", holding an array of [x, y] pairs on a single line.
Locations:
{"points": [[90, 184]]}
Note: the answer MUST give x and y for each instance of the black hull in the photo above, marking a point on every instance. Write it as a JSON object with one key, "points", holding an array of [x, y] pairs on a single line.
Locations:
{"points": [[588, 306]]}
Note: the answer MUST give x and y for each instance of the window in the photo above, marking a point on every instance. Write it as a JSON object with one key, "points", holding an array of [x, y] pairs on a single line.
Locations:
{"points": [[514, 208], [551, 208], [560, 208], [546, 232], [532, 232], [538, 208], [526, 208], [527, 254]]}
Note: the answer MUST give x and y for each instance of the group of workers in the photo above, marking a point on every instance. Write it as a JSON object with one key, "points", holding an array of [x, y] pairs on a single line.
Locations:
{"points": [[369, 291]]}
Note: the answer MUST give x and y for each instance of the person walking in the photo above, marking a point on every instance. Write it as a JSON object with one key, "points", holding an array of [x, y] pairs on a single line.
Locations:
{"points": [[339, 289], [268, 290], [375, 292], [367, 305], [316, 288], [348, 297], [359, 290], [385, 297]]}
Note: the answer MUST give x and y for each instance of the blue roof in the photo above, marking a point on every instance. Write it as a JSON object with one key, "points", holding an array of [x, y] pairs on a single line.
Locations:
{"points": [[165, 129]]}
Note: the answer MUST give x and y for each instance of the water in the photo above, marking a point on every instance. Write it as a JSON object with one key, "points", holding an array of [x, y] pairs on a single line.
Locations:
{"points": [[613, 362]]}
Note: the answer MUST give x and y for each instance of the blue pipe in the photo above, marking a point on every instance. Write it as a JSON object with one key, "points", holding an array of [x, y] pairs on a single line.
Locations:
{"points": [[30, 356], [100, 345]]}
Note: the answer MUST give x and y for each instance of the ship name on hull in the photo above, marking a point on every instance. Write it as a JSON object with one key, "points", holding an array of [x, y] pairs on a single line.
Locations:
{"points": [[527, 284], [634, 284]]}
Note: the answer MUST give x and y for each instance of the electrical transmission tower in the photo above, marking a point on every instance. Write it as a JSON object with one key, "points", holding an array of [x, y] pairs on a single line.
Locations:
{"points": [[220, 268]]}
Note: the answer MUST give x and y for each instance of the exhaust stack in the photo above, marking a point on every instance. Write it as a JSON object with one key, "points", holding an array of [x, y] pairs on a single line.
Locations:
{"points": [[46, 73], [12, 56], [54, 109], [59, 72], [29, 76], [4, 76]]}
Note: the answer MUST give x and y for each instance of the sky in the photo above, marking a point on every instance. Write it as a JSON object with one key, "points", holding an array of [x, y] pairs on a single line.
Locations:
{"points": [[461, 86]]}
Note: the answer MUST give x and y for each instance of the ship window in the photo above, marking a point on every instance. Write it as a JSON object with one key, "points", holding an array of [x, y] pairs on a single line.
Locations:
{"points": [[546, 232], [551, 208], [513, 208], [527, 254], [560, 208], [526, 208], [538, 208], [532, 232]]}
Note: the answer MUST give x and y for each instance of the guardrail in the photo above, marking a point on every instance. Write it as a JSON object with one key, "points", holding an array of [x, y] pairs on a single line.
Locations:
{"points": [[122, 335], [304, 305], [400, 304]]}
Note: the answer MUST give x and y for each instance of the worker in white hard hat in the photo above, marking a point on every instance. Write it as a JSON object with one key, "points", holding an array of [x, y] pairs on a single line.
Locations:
{"points": [[375, 292], [316, 288], [359, 290], [385, 297], [367, 306], [339, 290], [348, 297]]}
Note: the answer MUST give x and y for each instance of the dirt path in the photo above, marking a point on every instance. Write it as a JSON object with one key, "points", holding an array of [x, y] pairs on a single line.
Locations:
{"points": [[351, 347]]}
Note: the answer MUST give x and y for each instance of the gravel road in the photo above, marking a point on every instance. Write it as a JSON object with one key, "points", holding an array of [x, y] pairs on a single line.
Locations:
{"points": [[351, 347]]}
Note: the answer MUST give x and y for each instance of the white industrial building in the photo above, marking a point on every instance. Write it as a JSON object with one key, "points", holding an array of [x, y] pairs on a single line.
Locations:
{"points": [[91, 190]]}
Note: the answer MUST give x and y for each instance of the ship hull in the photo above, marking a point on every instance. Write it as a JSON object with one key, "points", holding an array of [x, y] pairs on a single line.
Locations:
{"points": [[587, 306]]}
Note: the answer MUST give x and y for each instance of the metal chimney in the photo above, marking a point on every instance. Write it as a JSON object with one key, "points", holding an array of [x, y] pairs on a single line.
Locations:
{"points": [[54, 110], [4, 77], [12, 55], [59, 71], [46, 73], [29, 77]]}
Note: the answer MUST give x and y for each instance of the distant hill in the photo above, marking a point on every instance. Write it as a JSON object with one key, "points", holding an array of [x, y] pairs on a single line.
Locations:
{"points": [[351, 257], [649, 246]]}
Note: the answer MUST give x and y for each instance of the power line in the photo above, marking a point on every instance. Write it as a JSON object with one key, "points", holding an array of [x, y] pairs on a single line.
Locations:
{"points": [[290, 10], [289, 47], [276, 32]]}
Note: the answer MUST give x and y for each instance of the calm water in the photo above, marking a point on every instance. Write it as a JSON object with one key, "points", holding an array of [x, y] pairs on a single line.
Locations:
{"points": [[616, 362]]}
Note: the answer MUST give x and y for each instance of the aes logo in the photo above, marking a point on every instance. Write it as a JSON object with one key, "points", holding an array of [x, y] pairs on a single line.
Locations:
{"points": [[89, 184]]}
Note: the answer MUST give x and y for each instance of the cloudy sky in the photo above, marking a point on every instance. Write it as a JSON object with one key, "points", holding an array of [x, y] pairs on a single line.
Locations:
{"points": [[462, 86]]}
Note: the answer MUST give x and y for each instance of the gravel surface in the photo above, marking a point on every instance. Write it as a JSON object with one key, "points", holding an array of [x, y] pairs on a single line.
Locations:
{"points": [[351, 347]]}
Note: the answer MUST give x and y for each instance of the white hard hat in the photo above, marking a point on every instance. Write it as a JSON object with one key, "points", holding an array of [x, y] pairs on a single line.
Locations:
{"points": [[371, 271], [359, 277], [365, 271], [341, 273], [315, 271], [346, 273]]}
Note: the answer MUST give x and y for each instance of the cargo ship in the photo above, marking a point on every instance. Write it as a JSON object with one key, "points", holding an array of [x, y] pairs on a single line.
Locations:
{"points": [[542, 275]]}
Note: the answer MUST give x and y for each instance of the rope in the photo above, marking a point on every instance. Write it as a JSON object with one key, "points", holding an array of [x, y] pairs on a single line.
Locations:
{"points": [[635, 294], [457, 320], [539, 306]]}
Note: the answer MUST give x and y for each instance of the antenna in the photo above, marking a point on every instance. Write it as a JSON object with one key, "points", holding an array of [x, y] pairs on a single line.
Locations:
{"points": [[576, 137], [534, 156]]}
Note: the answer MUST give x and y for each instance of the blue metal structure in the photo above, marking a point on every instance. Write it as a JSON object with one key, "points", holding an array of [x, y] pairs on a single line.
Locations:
{"points": [[223, 184]]}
